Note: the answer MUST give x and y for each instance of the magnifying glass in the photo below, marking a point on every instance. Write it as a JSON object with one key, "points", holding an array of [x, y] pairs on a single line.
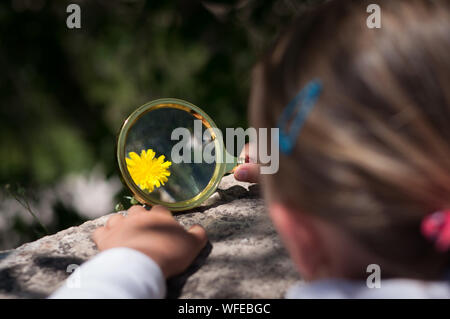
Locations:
{"points": [[171, 153]]}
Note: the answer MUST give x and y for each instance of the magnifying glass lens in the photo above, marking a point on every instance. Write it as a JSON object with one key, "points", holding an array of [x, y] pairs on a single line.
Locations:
{"points": [[170, 153], [149, 146]]}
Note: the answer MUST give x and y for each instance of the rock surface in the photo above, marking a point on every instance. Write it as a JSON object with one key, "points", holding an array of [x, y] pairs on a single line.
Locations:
{"points": [[244, 258]]}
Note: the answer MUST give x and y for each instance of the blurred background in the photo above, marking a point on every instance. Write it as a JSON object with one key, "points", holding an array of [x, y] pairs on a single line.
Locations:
{"points": [[65, 92]]}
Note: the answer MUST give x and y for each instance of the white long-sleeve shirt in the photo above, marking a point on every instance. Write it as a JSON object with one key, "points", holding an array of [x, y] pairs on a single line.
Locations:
{"points": [[115, 273], [127, 273]]}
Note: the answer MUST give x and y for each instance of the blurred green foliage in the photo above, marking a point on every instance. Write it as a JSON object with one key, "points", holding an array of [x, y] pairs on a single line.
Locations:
{"points": [[64, 92]]}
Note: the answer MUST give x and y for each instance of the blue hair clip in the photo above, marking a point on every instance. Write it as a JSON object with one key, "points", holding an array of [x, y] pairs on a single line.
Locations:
{"points": [[297, 110]]}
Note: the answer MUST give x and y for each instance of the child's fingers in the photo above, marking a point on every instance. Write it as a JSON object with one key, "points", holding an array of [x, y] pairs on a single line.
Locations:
{"points": [[161, 209], [199, 234], [98, 234], [136, 209], [249, 153], [113, 220], [247, 172]]}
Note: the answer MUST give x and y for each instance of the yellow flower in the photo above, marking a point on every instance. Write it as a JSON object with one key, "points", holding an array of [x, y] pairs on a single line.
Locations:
{"points": [[147, 171]]}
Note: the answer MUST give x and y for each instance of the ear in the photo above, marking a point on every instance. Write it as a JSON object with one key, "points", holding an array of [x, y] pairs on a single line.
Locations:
{"points": [[300, 235]]}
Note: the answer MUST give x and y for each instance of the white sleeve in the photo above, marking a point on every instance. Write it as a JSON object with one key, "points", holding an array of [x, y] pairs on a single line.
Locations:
{"points": [[115, 273]]}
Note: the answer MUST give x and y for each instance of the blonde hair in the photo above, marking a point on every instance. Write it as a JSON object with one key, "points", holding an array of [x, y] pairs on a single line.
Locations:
{"points": [[373, 156]]}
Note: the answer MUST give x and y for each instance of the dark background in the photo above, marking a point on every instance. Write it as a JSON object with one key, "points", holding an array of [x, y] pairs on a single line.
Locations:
{"points": [[65, 92]]}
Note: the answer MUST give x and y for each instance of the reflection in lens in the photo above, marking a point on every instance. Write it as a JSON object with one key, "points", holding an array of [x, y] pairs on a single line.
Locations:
{"points": [[148, 150]]}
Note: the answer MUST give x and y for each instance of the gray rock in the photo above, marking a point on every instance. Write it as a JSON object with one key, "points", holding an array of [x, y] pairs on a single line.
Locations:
{"points": [[244, 258]]}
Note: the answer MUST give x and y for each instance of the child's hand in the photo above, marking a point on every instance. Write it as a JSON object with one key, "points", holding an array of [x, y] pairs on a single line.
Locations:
{"points": [[248, 172], [155, 233]]}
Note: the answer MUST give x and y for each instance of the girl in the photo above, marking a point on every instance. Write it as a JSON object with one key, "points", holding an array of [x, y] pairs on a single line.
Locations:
{"points": [[366, 182]]}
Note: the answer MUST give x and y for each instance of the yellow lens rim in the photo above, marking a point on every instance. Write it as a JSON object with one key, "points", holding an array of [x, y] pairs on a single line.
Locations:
{"points": [[223, 164]]}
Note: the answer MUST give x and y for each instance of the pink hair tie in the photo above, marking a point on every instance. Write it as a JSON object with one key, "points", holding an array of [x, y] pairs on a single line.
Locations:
{"points": [[436, 228]]}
